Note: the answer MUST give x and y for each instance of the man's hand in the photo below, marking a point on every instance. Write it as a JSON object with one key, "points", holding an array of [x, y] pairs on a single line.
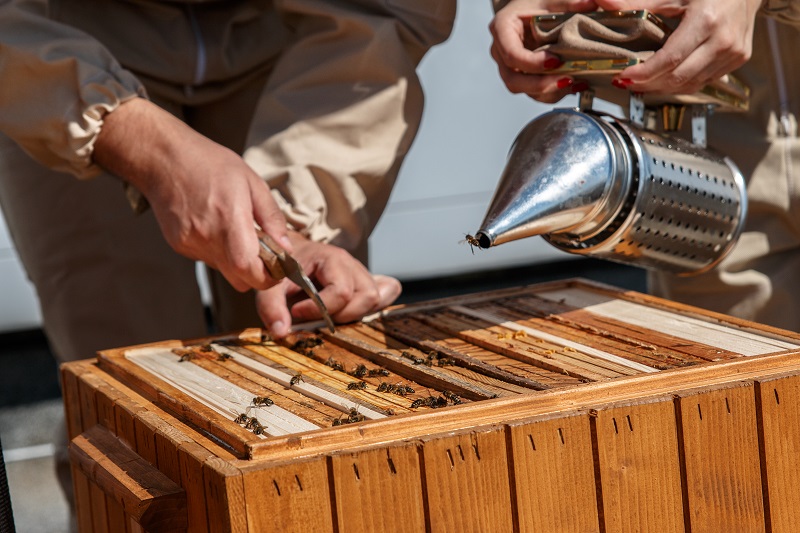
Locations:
{"points": [[348, 289], [522, 69], [205, 197], [712, 39]]}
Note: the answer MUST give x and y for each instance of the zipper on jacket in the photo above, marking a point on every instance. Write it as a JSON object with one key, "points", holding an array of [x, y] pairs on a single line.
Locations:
{"points": [[201, 59]]}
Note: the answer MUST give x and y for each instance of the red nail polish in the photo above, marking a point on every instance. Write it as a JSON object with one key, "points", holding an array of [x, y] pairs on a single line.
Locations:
{"points": [[552, 62], [621, 83], [563, 83], [580, 86]]}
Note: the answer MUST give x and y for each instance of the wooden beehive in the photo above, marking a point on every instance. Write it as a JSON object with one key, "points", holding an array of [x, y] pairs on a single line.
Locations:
{"points": [[568, 406]]}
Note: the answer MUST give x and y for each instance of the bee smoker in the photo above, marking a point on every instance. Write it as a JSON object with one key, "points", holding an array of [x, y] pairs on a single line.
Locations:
{"points": [[590, 183]]}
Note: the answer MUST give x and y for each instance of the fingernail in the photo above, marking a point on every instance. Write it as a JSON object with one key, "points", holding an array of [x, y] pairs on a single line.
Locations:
{"points": [[580, 86], [278, 328], [552, 62], [563, 83], [621, 83], [286, 243]]}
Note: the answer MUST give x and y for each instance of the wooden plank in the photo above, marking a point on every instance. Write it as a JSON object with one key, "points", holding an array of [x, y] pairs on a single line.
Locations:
{"points": [[639, 466], [663, 348], [146, 495], [722, 463], [292, 497], [553, 474], [354, 338], [99, 509], [260, 359], [89, 418], [117, 521], [424, 337], [378, 489], [179, 457], [606, 359], [467, 467], [692, 329], [452, 373], [224, 490], [287, 398], [501, 340], [522, 407], [71, 396], [225, 400], [175, 400], [83, 500], [779, 403], [191, 457]]}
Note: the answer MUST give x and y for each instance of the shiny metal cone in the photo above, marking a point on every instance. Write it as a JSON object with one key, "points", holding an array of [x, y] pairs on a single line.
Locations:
{"points": [[566, 172]]}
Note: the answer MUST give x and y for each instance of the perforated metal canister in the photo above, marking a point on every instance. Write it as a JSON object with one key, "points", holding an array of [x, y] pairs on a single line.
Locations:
{"points": [[592, 184]]}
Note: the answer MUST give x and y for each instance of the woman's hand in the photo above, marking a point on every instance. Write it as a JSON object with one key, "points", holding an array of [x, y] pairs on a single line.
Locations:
{"points": [[712, 39], [521, 69]]}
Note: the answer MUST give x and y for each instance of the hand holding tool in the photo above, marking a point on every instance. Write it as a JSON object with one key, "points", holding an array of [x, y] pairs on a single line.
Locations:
{"points": [[282, 265]]}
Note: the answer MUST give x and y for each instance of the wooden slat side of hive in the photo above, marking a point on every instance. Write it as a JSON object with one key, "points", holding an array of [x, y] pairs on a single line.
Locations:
{"points": [[568, 348], [243, 491]]}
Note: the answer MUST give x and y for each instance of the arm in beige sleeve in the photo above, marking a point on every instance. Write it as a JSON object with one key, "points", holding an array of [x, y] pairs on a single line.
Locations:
{"points": [[786, 11], [64, 82], [341, 109]]}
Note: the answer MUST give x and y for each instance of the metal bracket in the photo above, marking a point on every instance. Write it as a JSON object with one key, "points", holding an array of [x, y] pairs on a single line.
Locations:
{"points": [[636, 110], [585, 100], [700, 115]]}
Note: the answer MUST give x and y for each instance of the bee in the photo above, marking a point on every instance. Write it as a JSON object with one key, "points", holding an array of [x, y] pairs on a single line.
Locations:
{"points": [[224, 357], [241, 419], [383, 387], [355, 416], [417, 403], [251, 423], [375, 372], [297, 378], [305, 346], [412, 358], [446, 361], [262, 401], [400, 389], [472, 241], [357, 385], [359, 372], [258, 429], [436, 401], [186, 355], [334, 364], [454, 399]]}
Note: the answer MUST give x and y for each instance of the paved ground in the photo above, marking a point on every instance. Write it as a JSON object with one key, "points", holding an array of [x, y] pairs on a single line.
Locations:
{"points": [[30, 400]]}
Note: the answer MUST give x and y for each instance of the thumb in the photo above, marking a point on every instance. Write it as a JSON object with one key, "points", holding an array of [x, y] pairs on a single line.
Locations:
{"points": [[274, 310], [389, 289]]}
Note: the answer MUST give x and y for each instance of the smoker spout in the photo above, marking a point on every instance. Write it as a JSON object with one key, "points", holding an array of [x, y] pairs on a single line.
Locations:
{"points": [[564, 173], [484, 240]]}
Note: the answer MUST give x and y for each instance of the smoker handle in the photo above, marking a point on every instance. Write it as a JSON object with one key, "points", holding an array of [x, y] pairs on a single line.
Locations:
{"points": [[147, 496]]}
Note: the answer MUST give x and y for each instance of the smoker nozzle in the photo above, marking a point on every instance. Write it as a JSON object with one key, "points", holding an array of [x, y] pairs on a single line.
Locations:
{"points": [[565, 173]]}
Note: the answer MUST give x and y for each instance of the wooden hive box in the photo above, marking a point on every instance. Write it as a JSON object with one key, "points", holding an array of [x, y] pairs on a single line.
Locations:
{"points": [[568, 406]]}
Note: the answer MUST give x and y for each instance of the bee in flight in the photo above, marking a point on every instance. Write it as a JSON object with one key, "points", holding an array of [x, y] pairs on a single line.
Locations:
{"points": [[472, 241]]}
